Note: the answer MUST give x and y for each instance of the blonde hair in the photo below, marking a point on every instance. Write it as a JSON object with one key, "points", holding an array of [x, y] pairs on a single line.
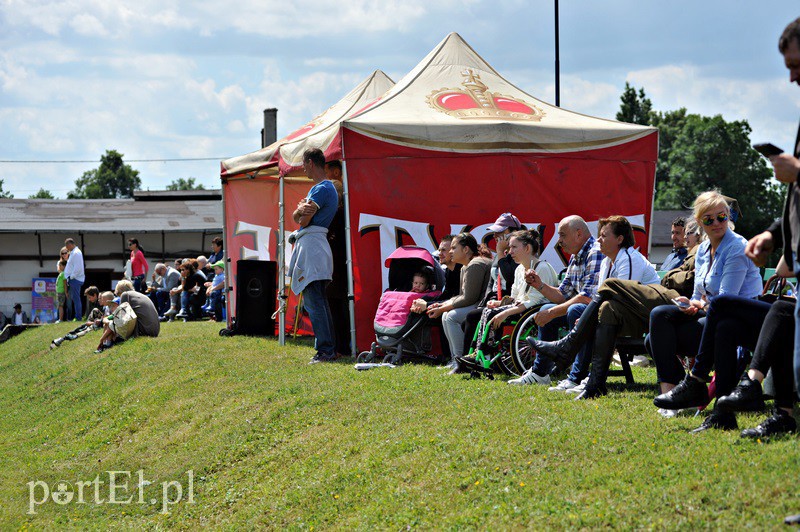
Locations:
{"points": [[123, 286], [107, 296], [708, 200]]}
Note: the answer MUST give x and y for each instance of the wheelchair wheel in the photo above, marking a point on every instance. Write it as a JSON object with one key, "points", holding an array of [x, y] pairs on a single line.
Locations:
{"points": [[521, 354], [505, 362]]}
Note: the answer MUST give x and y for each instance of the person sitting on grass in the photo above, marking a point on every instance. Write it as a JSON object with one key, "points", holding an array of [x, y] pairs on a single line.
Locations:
{"points": [[94, 308], [147, 323]]}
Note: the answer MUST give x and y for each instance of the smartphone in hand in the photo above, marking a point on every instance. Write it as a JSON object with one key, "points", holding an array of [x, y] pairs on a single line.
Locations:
{"points": [[680, 304], [767, 149]]}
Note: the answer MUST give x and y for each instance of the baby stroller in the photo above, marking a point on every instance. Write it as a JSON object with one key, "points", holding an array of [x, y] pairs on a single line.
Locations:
{"points": [[398, 331]]}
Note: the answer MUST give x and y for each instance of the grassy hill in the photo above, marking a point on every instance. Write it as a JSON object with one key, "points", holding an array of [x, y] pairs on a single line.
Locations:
{"points": [[273, 442]]}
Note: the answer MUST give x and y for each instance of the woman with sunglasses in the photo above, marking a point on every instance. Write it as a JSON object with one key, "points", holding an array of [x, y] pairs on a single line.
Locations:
{"points": [[721, 268]]}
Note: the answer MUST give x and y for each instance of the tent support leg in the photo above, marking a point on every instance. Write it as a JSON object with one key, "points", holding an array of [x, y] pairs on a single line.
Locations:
{"points": [[281, 266], [348, 245]]}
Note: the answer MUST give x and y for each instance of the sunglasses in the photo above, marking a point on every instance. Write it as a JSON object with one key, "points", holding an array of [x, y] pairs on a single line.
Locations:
{"points": [[721, 218]]}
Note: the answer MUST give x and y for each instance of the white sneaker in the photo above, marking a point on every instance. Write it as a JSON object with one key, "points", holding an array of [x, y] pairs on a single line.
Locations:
{"points": [[563, 386], [675, 413], [529, 377], [640, 361], [579, 387]]}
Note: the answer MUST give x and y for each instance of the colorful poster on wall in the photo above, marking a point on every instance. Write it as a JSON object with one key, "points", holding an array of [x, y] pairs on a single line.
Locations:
{"points": [[44, 301]]}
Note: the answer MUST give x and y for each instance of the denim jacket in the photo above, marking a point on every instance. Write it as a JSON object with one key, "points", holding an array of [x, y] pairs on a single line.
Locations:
{"points": [[730, 272]]}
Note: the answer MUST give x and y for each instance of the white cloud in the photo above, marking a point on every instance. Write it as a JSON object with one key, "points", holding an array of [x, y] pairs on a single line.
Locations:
{"points": [[88, 25], [770, 106]]}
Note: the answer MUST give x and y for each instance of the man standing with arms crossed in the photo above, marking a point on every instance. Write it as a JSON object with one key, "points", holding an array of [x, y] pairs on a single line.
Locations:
{"points": [[311, 266], [75, 276]]}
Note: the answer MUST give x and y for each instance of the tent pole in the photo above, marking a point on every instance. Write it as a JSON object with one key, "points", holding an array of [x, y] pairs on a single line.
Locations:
{"points": [[281, 266], [558, 62], [348, 245], [228, 279]]}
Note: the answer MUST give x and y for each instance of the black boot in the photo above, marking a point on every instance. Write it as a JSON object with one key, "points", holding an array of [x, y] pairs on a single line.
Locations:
{"points": [[605, 337], [562, 352], [746, 397]]}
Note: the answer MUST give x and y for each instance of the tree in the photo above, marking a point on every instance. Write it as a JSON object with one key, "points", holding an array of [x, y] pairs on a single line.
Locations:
{"points": [[3, 193], [709, 152], [112, 179], [698, 153], [42, 194], [635, 108], [185, 184]]}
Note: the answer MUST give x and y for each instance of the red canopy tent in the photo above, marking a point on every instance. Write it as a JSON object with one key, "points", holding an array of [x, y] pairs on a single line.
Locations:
{"points": [[452, 145]]}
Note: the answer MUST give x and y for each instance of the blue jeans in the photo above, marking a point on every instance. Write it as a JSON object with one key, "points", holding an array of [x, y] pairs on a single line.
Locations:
{"points": [[549, 333], [315, 301], [580, 368], [75, 289]]}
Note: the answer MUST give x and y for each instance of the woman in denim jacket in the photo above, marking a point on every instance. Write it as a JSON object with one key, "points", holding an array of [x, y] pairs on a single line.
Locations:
{"points": [[721, 267]]}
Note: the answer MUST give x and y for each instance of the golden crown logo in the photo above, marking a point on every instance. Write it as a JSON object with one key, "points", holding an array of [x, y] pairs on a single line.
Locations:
{"points": [[476, 101]]}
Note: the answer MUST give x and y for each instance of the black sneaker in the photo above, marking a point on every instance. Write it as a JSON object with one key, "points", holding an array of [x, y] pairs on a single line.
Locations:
{"points": [[780, 422], [746, 397], [718, 420], [689, 393]]}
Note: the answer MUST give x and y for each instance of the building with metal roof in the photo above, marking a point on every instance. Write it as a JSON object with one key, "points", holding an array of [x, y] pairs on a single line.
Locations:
{"points": [[168, 225]]}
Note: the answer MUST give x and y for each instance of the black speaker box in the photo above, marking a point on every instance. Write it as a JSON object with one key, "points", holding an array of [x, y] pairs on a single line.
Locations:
{"points": [[256, 291]]}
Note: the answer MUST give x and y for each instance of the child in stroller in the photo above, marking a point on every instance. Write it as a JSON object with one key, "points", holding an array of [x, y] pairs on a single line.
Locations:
{"points": [[413, 274]]}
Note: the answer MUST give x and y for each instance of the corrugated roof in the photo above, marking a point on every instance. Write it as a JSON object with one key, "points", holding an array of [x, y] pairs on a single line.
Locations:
{"points": [[662, 226], [108, 215]]}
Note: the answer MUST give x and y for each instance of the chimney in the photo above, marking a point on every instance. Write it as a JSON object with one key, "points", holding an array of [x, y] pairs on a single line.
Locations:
{"points": [[270, 132]]}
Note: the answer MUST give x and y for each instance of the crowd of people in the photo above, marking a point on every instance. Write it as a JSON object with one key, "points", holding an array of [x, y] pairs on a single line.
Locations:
{"points": [[704, 314], [189, 289]]}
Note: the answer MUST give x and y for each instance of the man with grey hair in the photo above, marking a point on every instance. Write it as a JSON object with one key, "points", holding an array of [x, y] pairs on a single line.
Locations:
{"points": [[567, 301], [165, 278]]}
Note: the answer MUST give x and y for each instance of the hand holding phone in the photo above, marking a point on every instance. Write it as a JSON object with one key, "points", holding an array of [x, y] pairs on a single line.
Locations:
{"points": [[680, 303]]}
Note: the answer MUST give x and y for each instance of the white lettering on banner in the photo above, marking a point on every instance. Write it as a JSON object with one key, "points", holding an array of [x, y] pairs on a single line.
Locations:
{"points": [[260, 241], [389, 230]]}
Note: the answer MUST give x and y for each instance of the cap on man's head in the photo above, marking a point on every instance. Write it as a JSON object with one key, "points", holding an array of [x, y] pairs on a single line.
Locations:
{"points": [[17, 305], [115, 301], [219, 264], [506, 221]]}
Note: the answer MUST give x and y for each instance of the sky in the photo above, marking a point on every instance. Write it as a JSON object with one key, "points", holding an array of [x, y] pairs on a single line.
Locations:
{"points": [[172, 79]]}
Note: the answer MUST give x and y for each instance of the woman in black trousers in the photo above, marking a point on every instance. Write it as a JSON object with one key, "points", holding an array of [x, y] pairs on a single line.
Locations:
{"points": [[730, 322]]}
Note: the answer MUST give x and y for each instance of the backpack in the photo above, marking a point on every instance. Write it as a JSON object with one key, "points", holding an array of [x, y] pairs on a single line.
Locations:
{"points": [[123, 321]]}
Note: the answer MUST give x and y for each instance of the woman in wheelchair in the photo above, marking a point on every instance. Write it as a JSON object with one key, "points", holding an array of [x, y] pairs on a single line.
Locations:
{"points": [[524, 249]]}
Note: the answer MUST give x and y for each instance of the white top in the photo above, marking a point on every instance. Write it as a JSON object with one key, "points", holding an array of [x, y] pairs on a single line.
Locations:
{"points": [[522, 292], [630, 265], [18, 319], [74, 268]]}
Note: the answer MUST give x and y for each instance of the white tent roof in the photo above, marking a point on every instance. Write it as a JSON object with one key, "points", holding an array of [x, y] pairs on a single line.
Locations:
{"points": [[318, 133], [453, 100]]}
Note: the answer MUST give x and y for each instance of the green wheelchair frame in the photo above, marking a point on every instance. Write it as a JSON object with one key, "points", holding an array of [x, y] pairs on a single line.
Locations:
{"points": [[510, 353]]}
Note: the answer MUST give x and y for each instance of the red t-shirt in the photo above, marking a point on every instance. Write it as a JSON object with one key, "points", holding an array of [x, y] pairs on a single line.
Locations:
{"points": [[138, 263]]}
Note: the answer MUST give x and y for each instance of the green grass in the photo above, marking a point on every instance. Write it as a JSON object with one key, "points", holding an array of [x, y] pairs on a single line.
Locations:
{"points": [[273, 442]]}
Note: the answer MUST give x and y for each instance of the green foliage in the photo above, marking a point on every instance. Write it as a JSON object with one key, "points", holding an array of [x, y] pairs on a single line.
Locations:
{"points": [[42, 194], [275, 443], [112, 179], [185, 184], [3, 193], [635, 108], [698, 153]]}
